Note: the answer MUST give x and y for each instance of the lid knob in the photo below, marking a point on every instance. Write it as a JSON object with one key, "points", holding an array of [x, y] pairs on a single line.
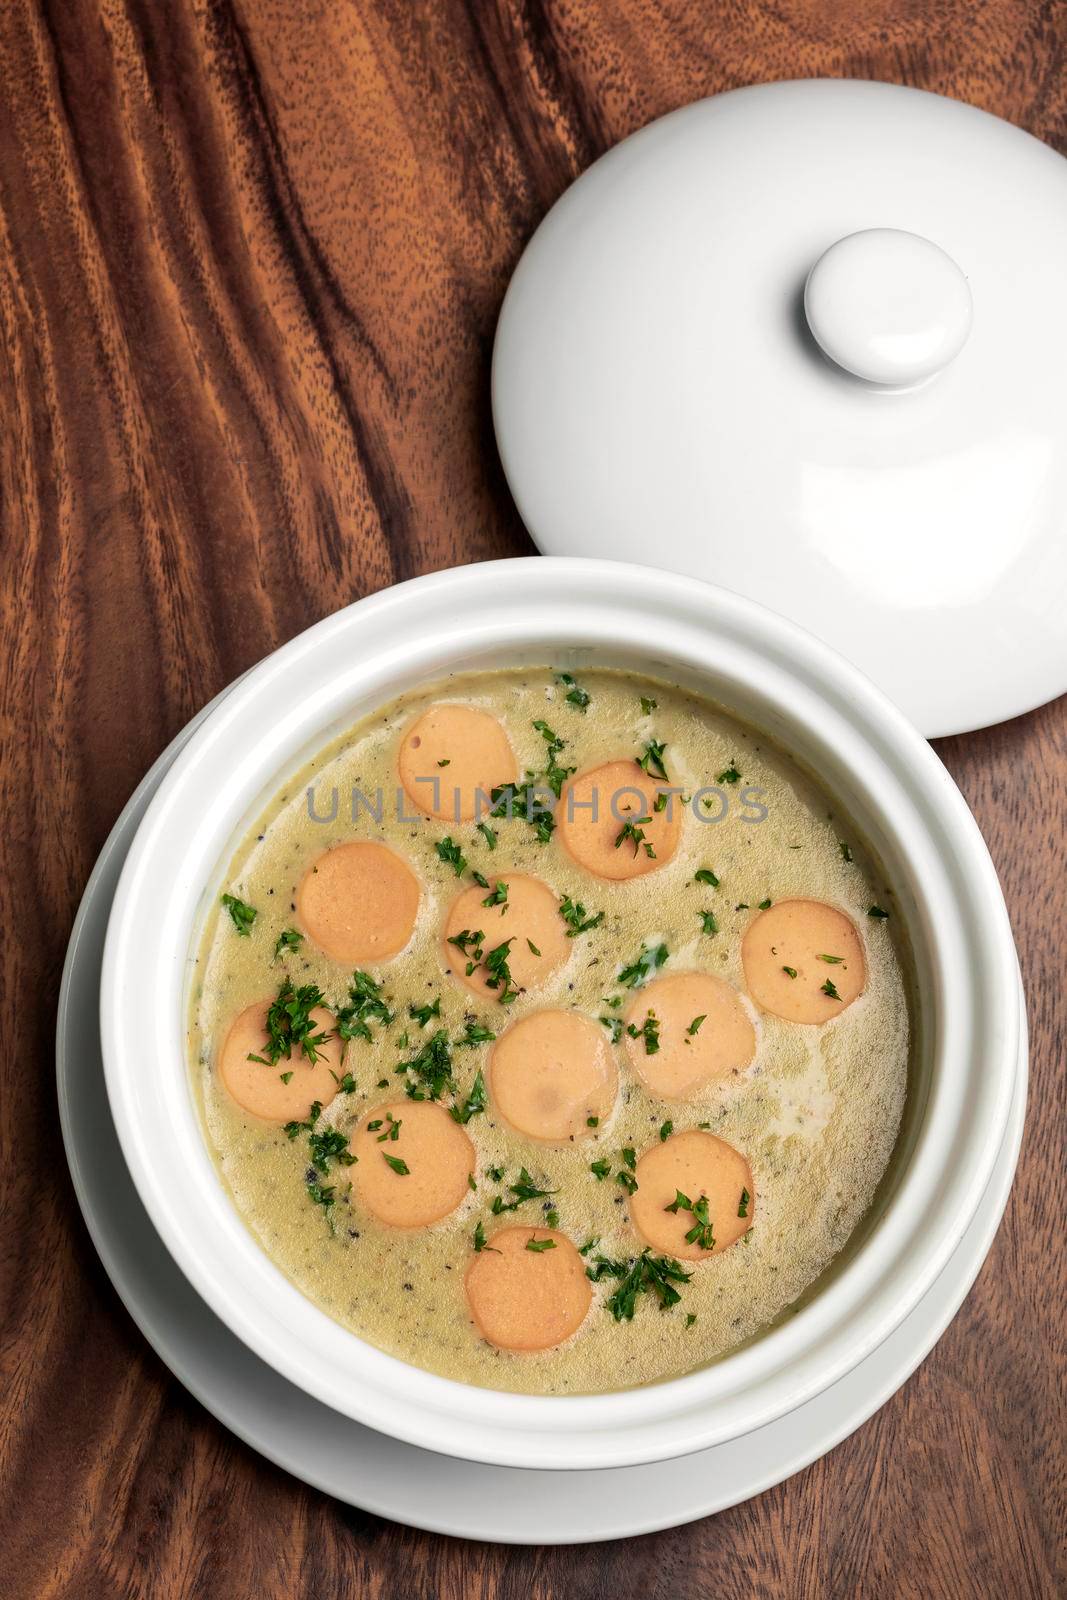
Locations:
{"points": [[889, 307]]}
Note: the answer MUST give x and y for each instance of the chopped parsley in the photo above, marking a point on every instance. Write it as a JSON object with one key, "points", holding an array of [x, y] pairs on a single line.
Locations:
{"points": [[329, 1145], [709, 922], [665, 1131], [877, 913], [765, 905], [705, 875], [399, 1166], [600, 1169], [451, 854], [498, 895], [834, 961], [321, 1194], [241, 915], [290, 939], [830, 988], [540, 1244], [479, 1240], [694, 1026], [574, 696], [496, 965], [614, 1026], [290, 1024], [592, 1122], [628, 1181], [649, 1274], [525, 1189], [742, 1204], [487, 834], [365, 1005], [701, 1233], [648, 706], [652, 760], [473, 1034], [576, 917], [633, 831], [555, 775], [422, 1014], [649, 1031], [790, 972], [652, 957], [474, 1103], [429, 1072], [729, 774]]}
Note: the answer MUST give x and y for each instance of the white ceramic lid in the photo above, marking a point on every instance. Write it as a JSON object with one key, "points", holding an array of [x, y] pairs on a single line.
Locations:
{"points": [[809, 341]]}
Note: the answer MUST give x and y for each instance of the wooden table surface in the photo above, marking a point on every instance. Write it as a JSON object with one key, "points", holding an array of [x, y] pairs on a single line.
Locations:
{"points": [[251, 259]]}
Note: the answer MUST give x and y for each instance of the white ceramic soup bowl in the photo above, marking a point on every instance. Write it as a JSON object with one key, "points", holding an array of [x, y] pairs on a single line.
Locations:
{"points": [[569, 614]]}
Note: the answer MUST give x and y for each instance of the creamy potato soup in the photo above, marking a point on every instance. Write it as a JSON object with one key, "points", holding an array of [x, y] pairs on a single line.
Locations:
{"points": [[552, 1032]]}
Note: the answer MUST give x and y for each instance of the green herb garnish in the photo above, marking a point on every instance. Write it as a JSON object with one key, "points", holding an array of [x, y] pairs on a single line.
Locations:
{"points": [[365, 1005], [649, 1274], [790, 972], [429, 1072], [709, 923], [498, 896], [577, 918], [648, 706], [652, 957], [705, 875], [241, 915], [700, 1233], [742, 1204], [451, 854], [473, 1034], [479, 1240], [830, 989], [540, 1244], [649, 1031], [291, 939], [600, 1169], [877, 913], [487, 834], [290, 1024], [474, 1103], [422, 1014], [694, 1026], [652, 760], [574, 696], [636, 834], [399, 1166], [525, 1189], [729, 774], [665, 1130]]}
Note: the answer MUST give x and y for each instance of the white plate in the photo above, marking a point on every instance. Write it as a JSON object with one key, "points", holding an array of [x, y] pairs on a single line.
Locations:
{"points": [[367, 1469]]}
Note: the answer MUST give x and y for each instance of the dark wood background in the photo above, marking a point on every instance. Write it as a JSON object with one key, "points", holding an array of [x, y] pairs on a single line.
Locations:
{"points": [[252, 253]]}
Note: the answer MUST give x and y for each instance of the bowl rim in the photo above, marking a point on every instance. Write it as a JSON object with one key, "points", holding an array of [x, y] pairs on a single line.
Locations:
{"points": [[427, 626]]}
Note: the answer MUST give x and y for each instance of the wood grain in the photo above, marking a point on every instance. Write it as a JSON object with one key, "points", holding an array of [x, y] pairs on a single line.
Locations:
{"points": [[251, 256]]}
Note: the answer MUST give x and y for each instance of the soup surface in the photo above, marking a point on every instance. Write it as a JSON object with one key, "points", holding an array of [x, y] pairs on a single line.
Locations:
{"points": [[566, 1100]]}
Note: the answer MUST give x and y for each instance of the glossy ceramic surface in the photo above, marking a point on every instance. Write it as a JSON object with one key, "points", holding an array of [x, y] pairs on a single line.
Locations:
{"points": [[365, 1468], [658, 395], [569, 614]]}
